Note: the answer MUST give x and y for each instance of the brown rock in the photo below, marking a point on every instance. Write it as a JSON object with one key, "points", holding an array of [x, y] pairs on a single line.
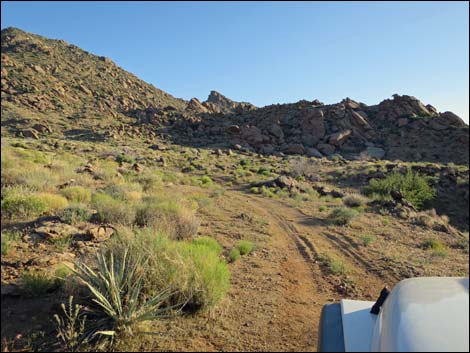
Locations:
{"points": [[313, 124], [326, 148], [339, 138], [233, 129], [31, 133], [54, 230], [402, 122], [295, 148], [101, 233], [195, 105]]}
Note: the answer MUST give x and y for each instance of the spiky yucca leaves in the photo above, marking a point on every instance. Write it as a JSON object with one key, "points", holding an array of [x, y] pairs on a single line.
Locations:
{"points": [[116, 287]]}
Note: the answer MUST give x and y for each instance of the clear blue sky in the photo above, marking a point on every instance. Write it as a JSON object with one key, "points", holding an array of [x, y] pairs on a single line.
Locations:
{"points": [[273, 52]]}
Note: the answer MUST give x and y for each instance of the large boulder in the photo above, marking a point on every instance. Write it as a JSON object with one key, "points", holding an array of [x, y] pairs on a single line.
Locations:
{"points": [[294, 148], [195, 105], [313, 125], [337, 139], [326, 149]]}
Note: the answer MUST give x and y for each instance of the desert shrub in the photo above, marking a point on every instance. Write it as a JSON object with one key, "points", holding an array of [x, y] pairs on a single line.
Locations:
{"points": [[254, 190], [245, 247], [205, 180], [169, 216], [322, 208], [335, 266], [77, 194], [124, 191], [268, 192], [264, 171], [367, 239], [433, 244], [71, 327], [386, 221], [424, 220], [196, 274], [124, 158], [75, 214], [150, 182], [110, 210], [8, 237], [210, 243], [210, 279], [17, 203], [414, 187], [234, 254], [354, 200], [53, 202], [342, 215], [37, 283], [245, 162]]}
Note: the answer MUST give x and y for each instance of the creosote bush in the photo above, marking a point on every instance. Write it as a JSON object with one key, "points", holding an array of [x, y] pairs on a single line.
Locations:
{"points": [[342, 215], [77, 194], [111, 210], [414, 187]]}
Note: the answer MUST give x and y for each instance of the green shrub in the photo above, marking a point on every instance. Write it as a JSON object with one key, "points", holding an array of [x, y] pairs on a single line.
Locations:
{"points": [[22, 205], [264, 171], [367, 239], [254, 190], [7, 238], [267, 192], [245, 247], [53, 202], [37, 283], [414, 187], [205, 181], [342, 215], [335, 266], [210, 243], [209, 280], [75, 214], [124, 158], [322, 208], [433, 244], [124, 191], [245, 163], [234, 255], [77, 194], [110, 210], [195, 272]]}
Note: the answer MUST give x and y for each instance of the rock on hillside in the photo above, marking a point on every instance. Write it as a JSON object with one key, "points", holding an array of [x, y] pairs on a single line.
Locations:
{"points": [[398, 128]]}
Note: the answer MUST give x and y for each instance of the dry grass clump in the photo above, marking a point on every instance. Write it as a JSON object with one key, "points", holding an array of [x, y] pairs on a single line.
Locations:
{"points": [[355, 200], [170, 216]]}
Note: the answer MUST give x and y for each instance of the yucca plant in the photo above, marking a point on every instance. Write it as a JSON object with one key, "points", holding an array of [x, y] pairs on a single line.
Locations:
{"points": [[116, 287]]}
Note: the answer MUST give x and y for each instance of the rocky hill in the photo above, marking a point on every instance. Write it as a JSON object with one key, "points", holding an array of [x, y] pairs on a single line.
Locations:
{"points": [[399, 128], [64, 89], [52, 75]]}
